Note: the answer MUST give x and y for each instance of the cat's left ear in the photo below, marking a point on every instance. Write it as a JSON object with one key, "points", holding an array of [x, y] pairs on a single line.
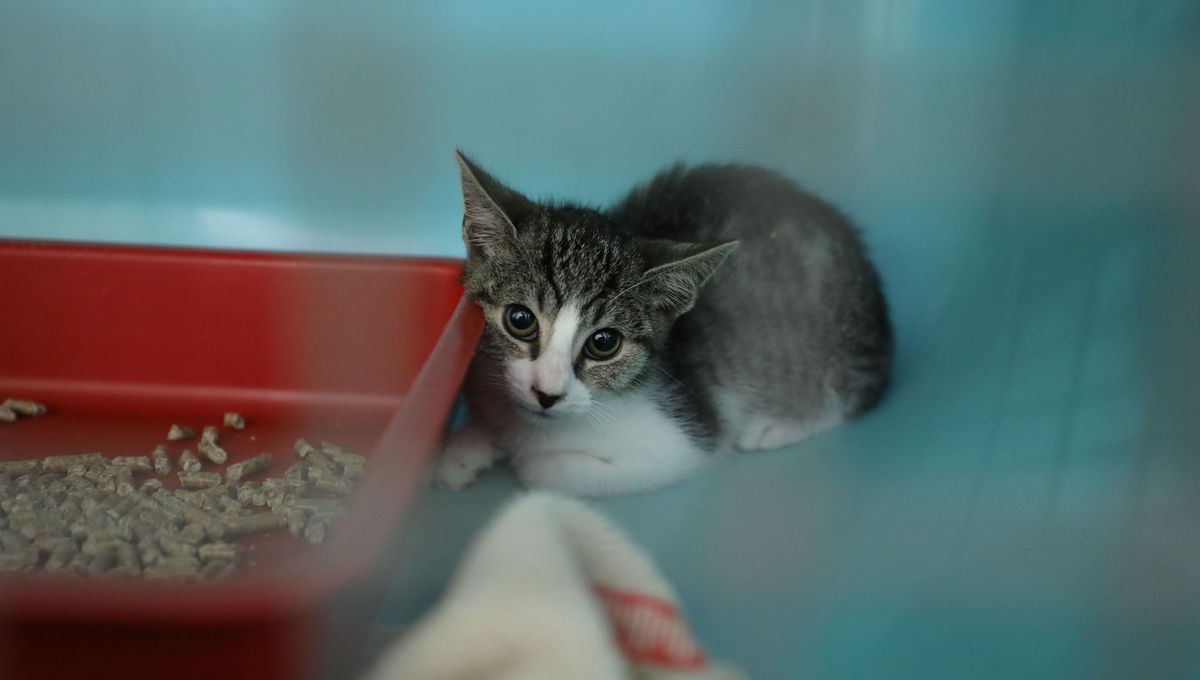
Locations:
{"points": [[677, 271], [491, 210]]}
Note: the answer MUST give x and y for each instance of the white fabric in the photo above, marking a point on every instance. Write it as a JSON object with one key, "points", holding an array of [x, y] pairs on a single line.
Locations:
{"points": [[552, 590]]}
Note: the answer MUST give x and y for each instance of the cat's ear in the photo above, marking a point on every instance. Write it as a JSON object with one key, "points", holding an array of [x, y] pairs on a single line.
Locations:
{"points": [[491, 210], [677, 271]]}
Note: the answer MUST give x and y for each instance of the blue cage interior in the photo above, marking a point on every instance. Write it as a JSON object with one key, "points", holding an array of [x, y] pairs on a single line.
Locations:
{"points": [[1023, 504]]}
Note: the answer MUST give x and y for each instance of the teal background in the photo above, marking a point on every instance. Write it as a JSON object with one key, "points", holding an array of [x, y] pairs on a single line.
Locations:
{"points": [[1023, 505]]}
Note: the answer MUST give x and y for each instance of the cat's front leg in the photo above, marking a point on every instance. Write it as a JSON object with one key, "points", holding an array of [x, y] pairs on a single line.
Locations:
{"points": [[586, 473], [469, 453]]}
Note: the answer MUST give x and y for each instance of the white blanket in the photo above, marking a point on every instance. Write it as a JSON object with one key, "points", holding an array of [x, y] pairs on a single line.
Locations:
{"points": [[552, 590]]}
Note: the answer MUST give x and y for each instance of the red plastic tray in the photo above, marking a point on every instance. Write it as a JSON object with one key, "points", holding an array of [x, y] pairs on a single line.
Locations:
{"points": [[121, 342]]}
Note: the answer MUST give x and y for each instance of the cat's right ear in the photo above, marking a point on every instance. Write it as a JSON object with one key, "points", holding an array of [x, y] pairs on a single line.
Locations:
{"points": [[491, 210], [677, 271]]}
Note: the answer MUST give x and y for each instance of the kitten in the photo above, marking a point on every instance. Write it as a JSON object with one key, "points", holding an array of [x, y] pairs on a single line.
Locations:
{"points": [[718, 307]]}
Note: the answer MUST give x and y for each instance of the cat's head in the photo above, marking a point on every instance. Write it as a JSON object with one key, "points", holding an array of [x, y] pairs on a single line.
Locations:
{"points": [[574, 307]]}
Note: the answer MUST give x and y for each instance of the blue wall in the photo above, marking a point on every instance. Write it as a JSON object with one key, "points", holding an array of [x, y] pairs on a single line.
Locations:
{"points": [[291, 124], [330, 126]]}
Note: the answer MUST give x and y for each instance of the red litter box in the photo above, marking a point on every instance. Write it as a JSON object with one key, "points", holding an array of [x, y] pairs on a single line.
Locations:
{"points": [[121, 342]]}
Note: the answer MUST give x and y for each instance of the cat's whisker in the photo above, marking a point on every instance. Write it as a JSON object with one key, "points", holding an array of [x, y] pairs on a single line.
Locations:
{"points": [[664, 371], [595, 413], [594, 418], [602, 412]]}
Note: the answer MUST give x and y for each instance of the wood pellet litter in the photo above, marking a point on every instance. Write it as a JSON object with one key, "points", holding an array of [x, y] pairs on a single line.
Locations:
{"points": [[188, 462], [162, 462], [13, 409], [179, 433], [213, 452], [87, 515]]}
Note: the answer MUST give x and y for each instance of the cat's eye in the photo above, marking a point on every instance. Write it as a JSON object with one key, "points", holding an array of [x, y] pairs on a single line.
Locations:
{"points": [[603, 344], [520, 322]]}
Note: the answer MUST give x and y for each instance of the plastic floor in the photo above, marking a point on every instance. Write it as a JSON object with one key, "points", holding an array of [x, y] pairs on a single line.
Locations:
{"points": [[1000, 516]]}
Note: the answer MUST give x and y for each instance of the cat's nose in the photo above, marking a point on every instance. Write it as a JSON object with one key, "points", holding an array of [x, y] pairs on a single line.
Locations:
{"points": [[547, 400]]}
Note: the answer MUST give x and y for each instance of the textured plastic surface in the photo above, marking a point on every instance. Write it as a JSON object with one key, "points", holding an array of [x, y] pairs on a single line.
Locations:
{"points": [[1024, 171], [122, 342]]}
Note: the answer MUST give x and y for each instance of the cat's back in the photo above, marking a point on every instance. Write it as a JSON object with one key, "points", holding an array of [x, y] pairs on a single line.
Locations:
{"points": [[797, 312], [798, 253], [714, 201]]}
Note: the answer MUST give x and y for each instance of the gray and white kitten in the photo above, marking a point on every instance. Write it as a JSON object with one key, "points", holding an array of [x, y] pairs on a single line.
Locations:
{"points": [[718, 307]]}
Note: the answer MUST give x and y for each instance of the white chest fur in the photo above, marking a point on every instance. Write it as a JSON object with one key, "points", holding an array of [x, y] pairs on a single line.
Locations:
{"points": [[614, 427], [623, 443]]}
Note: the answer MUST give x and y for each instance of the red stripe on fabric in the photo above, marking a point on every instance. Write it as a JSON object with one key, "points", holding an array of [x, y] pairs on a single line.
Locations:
{"points": [[650, 631]]}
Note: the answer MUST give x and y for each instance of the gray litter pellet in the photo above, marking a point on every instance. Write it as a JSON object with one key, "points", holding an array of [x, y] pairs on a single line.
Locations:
{"points": [[19, 467], [338, 486], [297, 471], [149, 557], [125, 485], [48, 540], [230, 506], [189, 561], [217, 569], [174, 547], [179, 433], [315, 529], [220, 551], [184, 496], [235, 421], [248, 467], [64, 551], [102, 562], [188, 462], [296, 519], [18, 561], [246, 492], [25, 407], [256, 523], [30, 531], [342, 456], [133, 463], [172, 570], [303, 448], [320, 506], [7, 415], [277, 502], [162, 462], [128, 560], [192, 534], [122, 506], [140, 528], [13, 541], [213, 452], [65, 463], [97, 544], [313, 456], [198, 479]]}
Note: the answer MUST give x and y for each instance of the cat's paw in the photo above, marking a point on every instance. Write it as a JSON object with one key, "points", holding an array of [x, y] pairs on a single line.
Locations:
{"points": [[468, 454], [762, 433]]}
